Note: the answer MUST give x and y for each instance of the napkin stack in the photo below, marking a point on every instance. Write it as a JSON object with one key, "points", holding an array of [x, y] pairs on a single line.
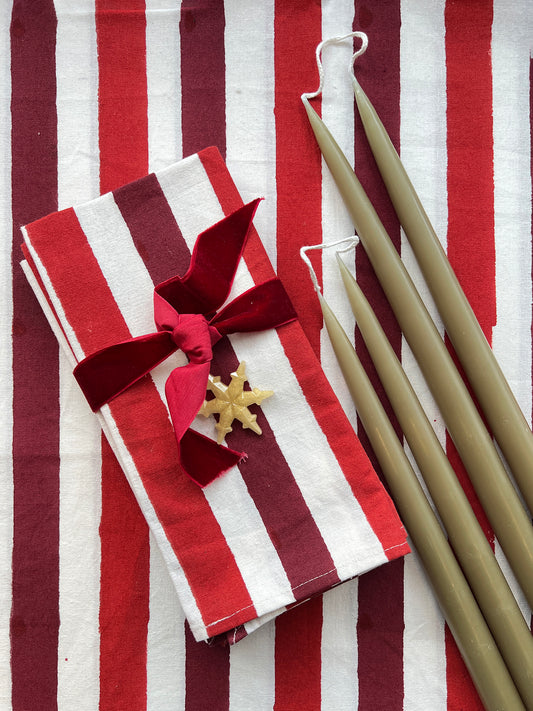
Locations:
{"points": [[305, 511]]}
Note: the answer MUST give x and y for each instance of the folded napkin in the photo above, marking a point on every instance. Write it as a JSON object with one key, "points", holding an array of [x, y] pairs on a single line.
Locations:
{"points": [[299, 508]]}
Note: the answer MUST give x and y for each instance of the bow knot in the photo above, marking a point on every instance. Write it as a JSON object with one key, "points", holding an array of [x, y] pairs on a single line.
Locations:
{"points": [[186, 317], [194, 336]]}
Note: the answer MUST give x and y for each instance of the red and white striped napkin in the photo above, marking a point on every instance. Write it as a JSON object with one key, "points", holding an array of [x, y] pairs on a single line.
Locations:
{"points": [[306, 510]]}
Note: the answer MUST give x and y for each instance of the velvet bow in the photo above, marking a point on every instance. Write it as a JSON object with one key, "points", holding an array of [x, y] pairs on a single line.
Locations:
{"points": [[187, 318]]}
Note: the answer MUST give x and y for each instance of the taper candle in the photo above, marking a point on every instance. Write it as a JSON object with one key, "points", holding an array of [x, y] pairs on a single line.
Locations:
{"points": [[482, 658], [474, 444], [477, 560], [493, 392]]}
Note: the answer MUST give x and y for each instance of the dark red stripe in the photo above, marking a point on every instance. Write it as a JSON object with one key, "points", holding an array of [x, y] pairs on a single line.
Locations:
{"points": [[380, 629], [206, 675], [203, 86], [267, 475], [470, 238], [35, 571], [380, 644], [124, 585], [122, 93], [154, 230], [298, 658], [297, 30]]}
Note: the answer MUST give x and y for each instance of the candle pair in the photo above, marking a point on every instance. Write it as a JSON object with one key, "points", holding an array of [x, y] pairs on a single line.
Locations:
{"points": [[484, 661]]}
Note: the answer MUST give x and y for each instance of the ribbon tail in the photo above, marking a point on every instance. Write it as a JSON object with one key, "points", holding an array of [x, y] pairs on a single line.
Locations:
{"points": [[202, 459], [214, 261]]}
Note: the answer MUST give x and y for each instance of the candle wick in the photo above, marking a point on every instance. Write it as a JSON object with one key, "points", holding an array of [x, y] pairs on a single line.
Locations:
{"points": [[318, 52], [349, 241], [355, 83]]}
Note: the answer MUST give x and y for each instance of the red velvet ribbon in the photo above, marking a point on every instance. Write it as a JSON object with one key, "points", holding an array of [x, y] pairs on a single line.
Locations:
{"points": [[187, 318]]}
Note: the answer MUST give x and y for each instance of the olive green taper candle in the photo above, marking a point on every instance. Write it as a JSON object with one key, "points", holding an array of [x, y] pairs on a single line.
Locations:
{"points": [[474, 640], [489, 478], [495, 397], [477, 560]]}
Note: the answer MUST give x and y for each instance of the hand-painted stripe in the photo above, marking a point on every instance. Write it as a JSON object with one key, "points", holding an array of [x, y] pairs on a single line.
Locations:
{"points": [[470, 240], [207, 675], [298, 161], [124, 592], [203, 110], [376, 651], [470, 155], [35, 560], [6, 364], [298, 657], [153, 228], [123, 150], [122, 101]]}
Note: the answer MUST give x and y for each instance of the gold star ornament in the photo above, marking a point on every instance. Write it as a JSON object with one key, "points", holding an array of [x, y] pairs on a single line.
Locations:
{"points": [[231, 403]]}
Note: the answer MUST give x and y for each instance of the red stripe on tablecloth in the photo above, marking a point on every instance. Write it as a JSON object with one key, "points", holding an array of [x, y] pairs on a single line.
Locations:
{"points": [[206, 674], [269, 480], [203, 82], [471, 249], [182, 508], [298, 160], [122, 93], [124, 607], [123, 145], [35, 561], [380, 622], [298, 658]]}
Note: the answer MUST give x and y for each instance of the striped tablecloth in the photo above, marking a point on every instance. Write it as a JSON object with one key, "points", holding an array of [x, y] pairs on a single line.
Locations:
{"points": [[98, 93]]}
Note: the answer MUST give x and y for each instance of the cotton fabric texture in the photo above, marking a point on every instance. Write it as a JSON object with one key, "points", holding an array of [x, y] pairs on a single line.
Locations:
{"points": [[305, 510], [98, 93]]}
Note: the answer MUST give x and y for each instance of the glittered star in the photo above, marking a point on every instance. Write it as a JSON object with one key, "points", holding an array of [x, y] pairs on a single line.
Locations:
{"points": [[231, 403]]}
